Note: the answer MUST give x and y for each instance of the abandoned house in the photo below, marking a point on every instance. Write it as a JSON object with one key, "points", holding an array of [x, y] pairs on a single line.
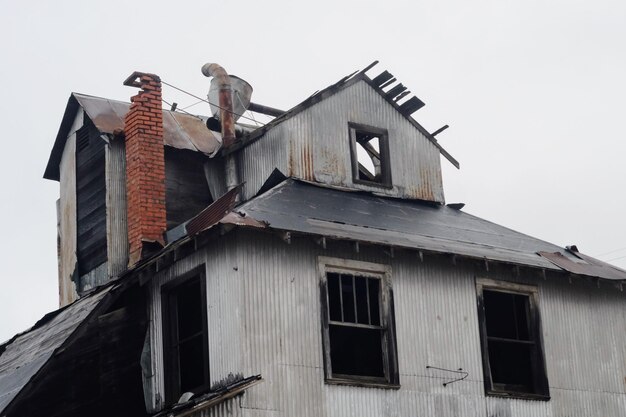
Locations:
{"points": [[306, 267]]}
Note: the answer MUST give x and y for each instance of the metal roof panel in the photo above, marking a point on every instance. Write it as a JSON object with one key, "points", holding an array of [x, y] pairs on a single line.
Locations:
{"points": [[180, 131], [306, 208]]}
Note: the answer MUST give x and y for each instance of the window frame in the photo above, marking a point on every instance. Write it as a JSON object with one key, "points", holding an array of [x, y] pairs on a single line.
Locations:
{"points": [[170, 334], [385, 161], [539, 372], [387, 322]]}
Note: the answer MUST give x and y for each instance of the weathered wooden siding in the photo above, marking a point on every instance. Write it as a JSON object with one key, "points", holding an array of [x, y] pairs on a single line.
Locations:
{"points": [[67, 217], [314, 145], [91, 198], [264, 317], [186, 188]]}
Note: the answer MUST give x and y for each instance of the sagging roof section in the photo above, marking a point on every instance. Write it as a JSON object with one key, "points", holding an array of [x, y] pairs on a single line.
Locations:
{"points": [[22, 357], [309, 209], [180, 131]]}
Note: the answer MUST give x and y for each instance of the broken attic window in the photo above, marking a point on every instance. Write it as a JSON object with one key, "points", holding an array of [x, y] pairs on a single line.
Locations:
{"points": [[359, 339], [370, 155], [511, 344], [185, 337]]}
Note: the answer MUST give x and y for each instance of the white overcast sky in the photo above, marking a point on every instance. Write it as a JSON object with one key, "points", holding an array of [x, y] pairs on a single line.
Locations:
{"points": [[534, 92]]}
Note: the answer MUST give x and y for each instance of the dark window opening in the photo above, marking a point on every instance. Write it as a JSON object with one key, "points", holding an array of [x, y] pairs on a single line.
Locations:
{"points": [[360, 341], [370, 155], [512, 351], [185, 337]]}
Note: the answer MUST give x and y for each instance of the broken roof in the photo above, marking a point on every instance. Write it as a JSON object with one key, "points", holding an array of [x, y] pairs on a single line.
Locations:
{"points": [[305, 208], [180, 131], [209, 399], [393, 95], [22, 357], [184, 131]]}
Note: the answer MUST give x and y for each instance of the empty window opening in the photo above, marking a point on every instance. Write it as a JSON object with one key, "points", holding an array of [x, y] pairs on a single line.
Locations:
{"points": [[370, 155], [185, 338], [511, 343], [359, 339]]}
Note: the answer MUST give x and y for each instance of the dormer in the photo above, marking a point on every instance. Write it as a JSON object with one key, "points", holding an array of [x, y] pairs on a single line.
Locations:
{"points": [[356, 134], [89, 160]]}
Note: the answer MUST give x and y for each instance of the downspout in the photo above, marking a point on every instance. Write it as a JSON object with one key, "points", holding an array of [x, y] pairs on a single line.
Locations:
{"points": [[227, 120]]}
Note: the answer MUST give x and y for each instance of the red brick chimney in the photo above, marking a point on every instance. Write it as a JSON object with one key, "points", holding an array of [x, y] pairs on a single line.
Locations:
{"points": [[145, 167]]}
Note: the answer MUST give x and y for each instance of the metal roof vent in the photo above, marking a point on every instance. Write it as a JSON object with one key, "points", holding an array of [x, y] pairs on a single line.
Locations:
{"points": [[242, 91]]}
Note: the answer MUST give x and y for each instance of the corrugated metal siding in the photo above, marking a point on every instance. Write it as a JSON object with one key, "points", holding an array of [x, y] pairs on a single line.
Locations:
{"points": [[94, 278], [214, 173], [228, 408], [264, 316], [585, 337], [257, 161], [117, 233], [318, 146]]}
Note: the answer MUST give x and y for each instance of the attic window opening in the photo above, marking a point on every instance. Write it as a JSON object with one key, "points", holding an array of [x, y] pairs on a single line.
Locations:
{"points": [[513, 358], [185, 336], [358, 333], [370, 155]]}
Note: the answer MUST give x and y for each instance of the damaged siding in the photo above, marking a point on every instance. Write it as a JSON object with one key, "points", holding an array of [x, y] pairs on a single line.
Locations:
{"points": [[257, 161], [314, 145]]}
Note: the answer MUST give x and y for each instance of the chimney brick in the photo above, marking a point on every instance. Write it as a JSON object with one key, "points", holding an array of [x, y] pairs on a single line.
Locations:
{"points": [[145, 167]]}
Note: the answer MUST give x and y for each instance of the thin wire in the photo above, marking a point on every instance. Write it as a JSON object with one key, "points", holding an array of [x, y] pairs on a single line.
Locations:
{"points": [[191, 105], [249, 112], [255, 121], [611, 251], [206, 101], [183, 110], [615, 259]]}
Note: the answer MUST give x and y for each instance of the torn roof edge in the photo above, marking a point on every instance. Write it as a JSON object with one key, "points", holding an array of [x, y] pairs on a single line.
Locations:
{"points": [[211, 398], [327, 92]]}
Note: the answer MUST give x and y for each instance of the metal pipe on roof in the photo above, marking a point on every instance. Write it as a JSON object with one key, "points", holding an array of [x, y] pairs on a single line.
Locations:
{"points": [[227, 118], [263, 109]]}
